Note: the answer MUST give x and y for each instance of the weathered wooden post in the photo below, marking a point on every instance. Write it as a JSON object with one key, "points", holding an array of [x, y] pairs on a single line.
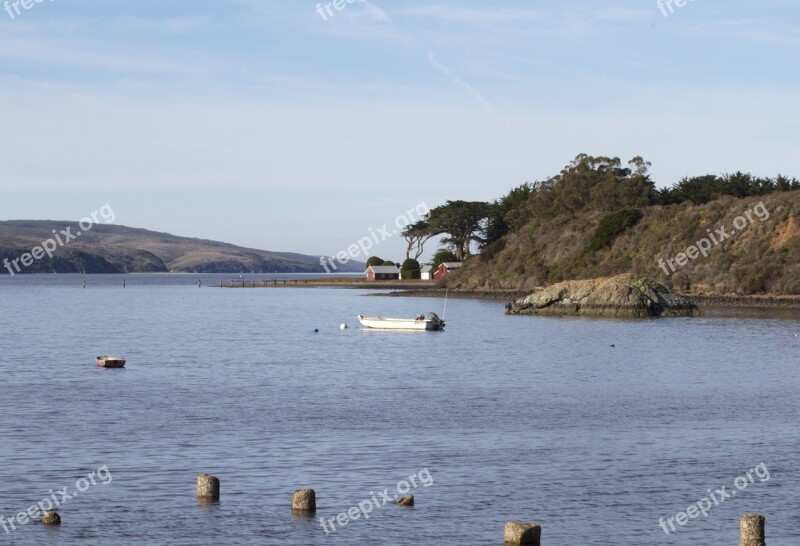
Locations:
{"points": [[51, 518], [523, 533], [751, 530], [304, 501], [408, 500], [207, 487]]}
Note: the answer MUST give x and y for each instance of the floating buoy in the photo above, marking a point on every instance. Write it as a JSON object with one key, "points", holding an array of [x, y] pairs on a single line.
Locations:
{"points": [[343, 326]]}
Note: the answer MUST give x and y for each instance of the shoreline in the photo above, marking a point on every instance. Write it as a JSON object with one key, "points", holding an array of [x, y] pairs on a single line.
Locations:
{"points": [[702, 300], [340, 282], [430, 289]]}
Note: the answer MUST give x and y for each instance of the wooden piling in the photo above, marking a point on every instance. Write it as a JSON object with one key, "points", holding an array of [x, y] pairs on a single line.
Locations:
{"points": [[207, 487], [51, 518], [523, 533], [408, 500], [304, 501], [751, 530]]}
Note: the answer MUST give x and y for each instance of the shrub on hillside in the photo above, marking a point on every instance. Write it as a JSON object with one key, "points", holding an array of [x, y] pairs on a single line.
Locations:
{"points": [[491, 250], [612, 226]]}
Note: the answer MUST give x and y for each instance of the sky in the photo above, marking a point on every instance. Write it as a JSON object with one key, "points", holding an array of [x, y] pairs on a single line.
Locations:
{"points": [[285, 125]]}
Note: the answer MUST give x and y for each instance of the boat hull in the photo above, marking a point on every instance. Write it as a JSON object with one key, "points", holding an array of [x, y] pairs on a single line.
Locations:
{"points": [[383, 323], [109, 362]]}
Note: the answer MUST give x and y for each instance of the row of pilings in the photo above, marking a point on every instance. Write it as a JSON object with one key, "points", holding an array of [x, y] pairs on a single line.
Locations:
{"points": [[304, 501]]}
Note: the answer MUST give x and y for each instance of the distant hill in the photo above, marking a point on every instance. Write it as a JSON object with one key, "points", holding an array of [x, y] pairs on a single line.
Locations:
{"points": [[108, 248]]}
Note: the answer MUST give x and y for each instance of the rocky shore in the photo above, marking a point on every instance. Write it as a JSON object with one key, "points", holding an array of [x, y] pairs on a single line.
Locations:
{"points": [[621, 296], [701, 300]]}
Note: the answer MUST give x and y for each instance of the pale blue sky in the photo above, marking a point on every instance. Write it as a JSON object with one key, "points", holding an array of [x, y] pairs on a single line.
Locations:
{"points": [[260, 123]]}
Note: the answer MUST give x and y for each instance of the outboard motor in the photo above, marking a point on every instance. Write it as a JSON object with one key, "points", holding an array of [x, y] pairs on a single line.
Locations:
{"points": [[439, 323]]}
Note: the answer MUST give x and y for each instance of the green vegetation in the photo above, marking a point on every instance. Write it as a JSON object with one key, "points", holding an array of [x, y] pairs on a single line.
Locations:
{"points": [[462, 223], [374, 260], [600, 217], [442, 255], [416, 235], [612, 226], [503, 213], [703, 189], [410, 269]]}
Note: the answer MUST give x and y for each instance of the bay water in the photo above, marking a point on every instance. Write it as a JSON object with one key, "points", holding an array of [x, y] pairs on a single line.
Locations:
{"points": [[595, 428]]}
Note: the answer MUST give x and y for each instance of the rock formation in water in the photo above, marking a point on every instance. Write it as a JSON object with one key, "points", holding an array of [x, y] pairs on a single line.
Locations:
{"points": [[620, 296]]}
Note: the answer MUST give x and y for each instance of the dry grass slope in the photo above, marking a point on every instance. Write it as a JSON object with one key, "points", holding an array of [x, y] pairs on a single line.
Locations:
{"points": [[764, 257]]}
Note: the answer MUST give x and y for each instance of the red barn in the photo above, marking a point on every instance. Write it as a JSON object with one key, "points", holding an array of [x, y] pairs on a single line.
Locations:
{"points": [[444, 269]]}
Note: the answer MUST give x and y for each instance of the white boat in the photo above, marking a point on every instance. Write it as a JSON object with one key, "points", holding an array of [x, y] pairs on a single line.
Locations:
{"points": [[431, 323]]}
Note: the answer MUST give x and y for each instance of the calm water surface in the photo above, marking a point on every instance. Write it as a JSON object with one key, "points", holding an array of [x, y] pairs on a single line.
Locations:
{"points": [[514, 417]]}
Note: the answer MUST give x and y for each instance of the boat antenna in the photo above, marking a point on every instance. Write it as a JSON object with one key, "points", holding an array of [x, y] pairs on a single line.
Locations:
{"points": [[444, 312]]}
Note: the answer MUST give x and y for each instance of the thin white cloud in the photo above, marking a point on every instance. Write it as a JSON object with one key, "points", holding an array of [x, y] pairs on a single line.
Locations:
{"points": [[474, 92], [459, 82], [437, 65]]}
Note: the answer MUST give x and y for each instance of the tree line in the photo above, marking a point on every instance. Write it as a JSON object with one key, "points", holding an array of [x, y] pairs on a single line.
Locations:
{"points": [[587, 183]]}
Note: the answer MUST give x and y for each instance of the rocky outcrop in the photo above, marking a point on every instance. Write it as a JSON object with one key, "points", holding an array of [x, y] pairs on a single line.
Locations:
{"points": [[620, 296]]}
